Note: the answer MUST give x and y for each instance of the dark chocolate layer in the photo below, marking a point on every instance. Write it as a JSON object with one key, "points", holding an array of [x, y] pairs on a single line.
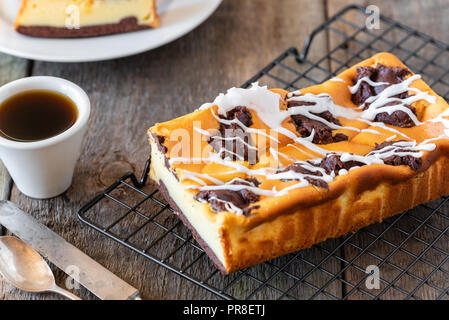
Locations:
{"points": [[125, 25]]}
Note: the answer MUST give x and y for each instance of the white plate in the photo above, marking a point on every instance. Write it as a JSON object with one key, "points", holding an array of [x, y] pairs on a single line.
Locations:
{"points": [[178, 17]]}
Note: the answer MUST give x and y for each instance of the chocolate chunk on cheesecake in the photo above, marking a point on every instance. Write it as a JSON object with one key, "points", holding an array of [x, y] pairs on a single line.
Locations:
{"points": [[373, 81], [403, 154], [221, 200], [231, 140], [322, 132]]}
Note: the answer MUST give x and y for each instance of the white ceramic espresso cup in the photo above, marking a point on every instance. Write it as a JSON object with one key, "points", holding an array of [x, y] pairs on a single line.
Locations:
{"points": [[44, 169]]}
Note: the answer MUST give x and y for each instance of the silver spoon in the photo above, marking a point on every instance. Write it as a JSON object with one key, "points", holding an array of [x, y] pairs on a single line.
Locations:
{"points": [[24, 268]]}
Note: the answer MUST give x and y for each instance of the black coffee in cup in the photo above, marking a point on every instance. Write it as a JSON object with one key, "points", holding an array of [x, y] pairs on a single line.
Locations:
{"points": [[36, 115]]}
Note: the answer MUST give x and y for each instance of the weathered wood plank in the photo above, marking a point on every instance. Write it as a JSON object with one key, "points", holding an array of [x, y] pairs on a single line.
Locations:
{"points": [[428, 17], [129, 95], [11, 68]]}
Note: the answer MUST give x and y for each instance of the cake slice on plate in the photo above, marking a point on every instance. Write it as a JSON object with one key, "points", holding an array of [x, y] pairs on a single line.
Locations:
{"points": [[84, 18]]}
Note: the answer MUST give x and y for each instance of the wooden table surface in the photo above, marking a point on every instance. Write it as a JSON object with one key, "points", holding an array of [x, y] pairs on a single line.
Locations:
{"points": [[129, 95]]}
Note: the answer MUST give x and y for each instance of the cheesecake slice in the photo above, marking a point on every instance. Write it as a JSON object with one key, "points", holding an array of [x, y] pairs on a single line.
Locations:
{"points": [[260, 173], [84, 18]]}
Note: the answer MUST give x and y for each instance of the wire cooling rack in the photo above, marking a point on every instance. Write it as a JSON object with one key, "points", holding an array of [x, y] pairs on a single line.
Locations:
{"points": [[410, 250]]}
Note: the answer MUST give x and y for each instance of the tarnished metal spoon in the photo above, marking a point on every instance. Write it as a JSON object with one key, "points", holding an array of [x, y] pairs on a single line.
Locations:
{"points": [[25, 269]]}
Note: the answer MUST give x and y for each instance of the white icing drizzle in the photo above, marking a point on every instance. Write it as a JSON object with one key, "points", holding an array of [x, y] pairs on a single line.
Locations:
{"points": [[206, 106], [186, 160], [299, 149], [377, 156], [293, 175], [193, 178], [378, 102], [245, 128], [430, 147], [276, 155], [307, 142], [235, 138], [391, 137], [241, 181], [236, 187], [202, 131], [188, 174], [385, 127], [321, 103], [371, 113], [445, 122], [371, 131], [227, 151], [228, 205], [215, 158], [257, 98], [353, 89], [266, 104]]}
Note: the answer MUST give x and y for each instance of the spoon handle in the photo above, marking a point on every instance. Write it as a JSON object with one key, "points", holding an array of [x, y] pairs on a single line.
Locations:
{"points": [[64, 293]]}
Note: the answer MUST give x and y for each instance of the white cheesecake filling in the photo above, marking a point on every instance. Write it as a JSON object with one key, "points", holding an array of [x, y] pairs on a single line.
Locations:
{"points": [[196, 213], [59, 13]]}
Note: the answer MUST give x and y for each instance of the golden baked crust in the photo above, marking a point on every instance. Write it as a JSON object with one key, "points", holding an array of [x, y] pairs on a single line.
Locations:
{"points": [[306, 215]]}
